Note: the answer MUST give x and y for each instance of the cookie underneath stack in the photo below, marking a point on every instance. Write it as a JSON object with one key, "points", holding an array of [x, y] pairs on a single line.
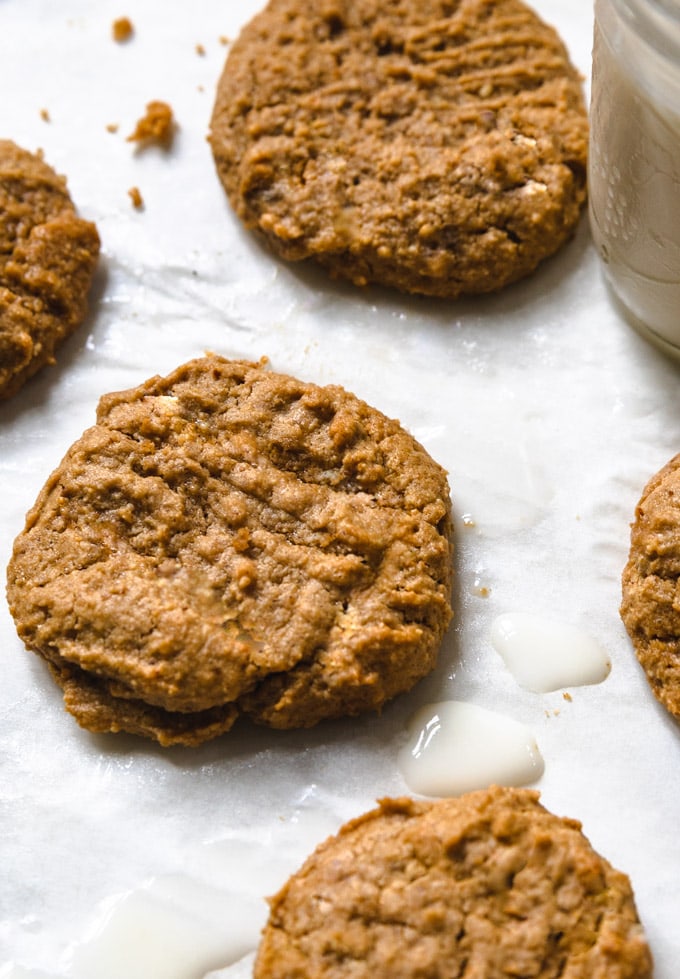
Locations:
{"points": [[227, 540]]}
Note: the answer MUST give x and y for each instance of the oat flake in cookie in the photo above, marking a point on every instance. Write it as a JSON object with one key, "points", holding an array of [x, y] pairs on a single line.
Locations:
{"points": [[47, 258], [437, 146], [227, 540], [651, 585], [487, 886]]}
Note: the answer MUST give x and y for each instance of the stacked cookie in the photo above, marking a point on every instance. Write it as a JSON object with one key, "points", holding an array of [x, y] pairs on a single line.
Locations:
{"points": [[226, 541]]}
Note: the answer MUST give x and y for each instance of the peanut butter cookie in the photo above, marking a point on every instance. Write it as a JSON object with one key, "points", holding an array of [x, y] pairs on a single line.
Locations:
{"points": [[47, 258], [490, 885], [651, 585], [436, 146], [228, 540]]}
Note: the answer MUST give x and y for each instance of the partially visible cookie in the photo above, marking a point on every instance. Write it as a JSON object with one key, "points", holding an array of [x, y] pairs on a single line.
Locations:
{"points": [[490, 885], [227, 540], [651, 585], [436, 146], [47, 258]]}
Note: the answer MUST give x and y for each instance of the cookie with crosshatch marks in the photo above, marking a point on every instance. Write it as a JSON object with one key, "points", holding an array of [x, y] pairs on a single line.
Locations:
{"points": [[651, 578], [435, 146], [47, 259], [489, 885], [228, 540]]}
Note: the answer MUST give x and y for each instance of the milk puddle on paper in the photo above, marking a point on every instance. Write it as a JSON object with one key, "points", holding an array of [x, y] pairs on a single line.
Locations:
{"points": [[204, 921], [457, 747], [544, 654]]}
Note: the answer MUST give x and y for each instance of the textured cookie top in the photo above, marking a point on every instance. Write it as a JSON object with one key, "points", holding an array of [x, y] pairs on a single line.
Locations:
{"points": [[490, 885], [232, 540], [651, 585], [438, 146], [47, 259]]}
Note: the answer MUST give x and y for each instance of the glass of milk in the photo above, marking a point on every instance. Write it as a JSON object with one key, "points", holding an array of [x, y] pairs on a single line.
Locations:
{"points": [[634, 161]]}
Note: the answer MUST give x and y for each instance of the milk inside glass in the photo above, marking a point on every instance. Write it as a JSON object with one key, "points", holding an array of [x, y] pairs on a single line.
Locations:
{"points": [[634, 166]]}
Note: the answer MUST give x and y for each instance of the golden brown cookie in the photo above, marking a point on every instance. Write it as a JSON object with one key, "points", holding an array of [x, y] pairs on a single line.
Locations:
{"points": [[651, 585], [437, 146], [490, 885], [47, 258], [227, 540]]}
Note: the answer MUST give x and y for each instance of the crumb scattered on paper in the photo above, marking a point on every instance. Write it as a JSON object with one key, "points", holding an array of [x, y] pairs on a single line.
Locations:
{"points": [[136, 198], [122, 29], [156, 126], [112, 127], [44, 115], [200, 49]]}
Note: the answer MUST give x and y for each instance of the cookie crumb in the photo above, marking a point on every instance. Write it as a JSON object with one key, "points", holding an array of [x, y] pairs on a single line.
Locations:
{"points": [[224, 39], [157, 125], [567, 696], [136, 198], [45, 116], [112, 127], [122, 29], [200, 50]]}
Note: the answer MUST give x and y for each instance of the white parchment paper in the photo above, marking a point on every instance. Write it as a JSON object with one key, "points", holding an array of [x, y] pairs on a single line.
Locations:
{"points": [[547, 410]]}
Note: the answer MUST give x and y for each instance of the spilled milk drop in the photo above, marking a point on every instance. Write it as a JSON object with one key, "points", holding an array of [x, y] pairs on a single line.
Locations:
{"points": [[455, 747], [174, 927], [543, 654], [204, 923]]}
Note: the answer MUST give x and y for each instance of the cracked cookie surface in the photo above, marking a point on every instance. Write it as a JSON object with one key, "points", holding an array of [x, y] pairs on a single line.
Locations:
{"points": [[489, 885], [438, 147], [228, 540], [47, 259], [650, 606]]}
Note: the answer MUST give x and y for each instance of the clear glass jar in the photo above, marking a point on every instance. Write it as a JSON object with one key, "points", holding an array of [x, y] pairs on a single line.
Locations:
{"points": [[634, 160]]}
